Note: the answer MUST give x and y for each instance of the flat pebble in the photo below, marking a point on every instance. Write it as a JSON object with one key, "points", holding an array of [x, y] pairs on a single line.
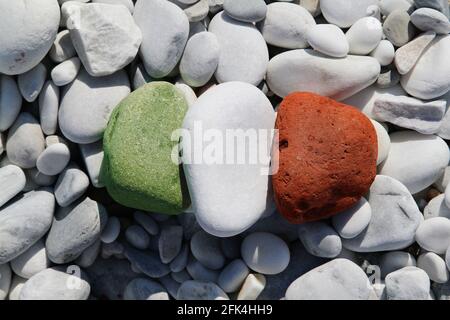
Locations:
{"points": [[65, 72], [439, 5], [398, 28], [415, 159], [56, 283], [265, 253], [137, 237], [427, 19], [395, 260], [434, 235], [53, 159], [344, 13], [247, 11], [72, 183], [395, 218], [320, 239], [25, 141], [145, 289], [353, 221], [32, 261], [328, 39], [181, 260], [197, 12], [233, 276], [243, 51], [148, 262], [253, 286], [434, 266], [206, 249], [147, 222], [170, 242], [201, 273], [92, 155], [24, 222], [48, 108], [407, 56], [31, 82], [74, 229], [387, 6], [409, 283], [197, 290], [111, 231], [339, 279], [10, 102], [12, 181]]}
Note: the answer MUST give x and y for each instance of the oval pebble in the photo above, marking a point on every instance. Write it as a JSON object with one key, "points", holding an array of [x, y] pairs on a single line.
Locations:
{"points": [[32, 261], [434, 266], [384, 142], [395, 260], [53, 159], [48, 108], [344, 13], [206, 249], [265, 253], [353, 221], [65, 72], [62, 48], [233, 276], [434, 235], [137, 237], [10, 102], [144, 289], [436, 208], [15, 288], [170, 242], [409, 283], [111, 231], [147, 222], [253, 285], [72, 183], [197, 290], [384, 53], [247, 11], [364, 35], [320, 239], [328, 39], [12, 181]]}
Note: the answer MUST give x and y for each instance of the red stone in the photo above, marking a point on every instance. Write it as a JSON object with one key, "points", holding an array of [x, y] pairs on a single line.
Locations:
{"points": [[327, 157]]}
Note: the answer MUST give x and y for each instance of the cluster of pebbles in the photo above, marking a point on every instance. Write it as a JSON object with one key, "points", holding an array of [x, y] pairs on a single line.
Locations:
{"points": [[92, 207]]}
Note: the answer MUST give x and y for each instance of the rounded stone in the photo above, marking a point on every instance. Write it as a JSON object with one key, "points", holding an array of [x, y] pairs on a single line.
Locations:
{"points": [[395, 260], [320, 240], [53, 159], [345, 13], [409, 283], [21, 49], [31, 82], [137, 237], [434, 235], [32, 261], [10, 102], [437, 208], [328, 39], [434, 266], [206, 249], [364, 35], [247, 11], [384, 53], [384, 142], [72, 183], [111, 231], [233, 276], [347, 151], [144, 289], [12, 181], [48, 108], [354, 220], [398, 29], [265, 253], [65, 72]]}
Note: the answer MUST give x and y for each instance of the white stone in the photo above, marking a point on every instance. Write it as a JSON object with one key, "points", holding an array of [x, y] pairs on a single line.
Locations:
{"points": [[65, 72], [265, 253], [32, 261], [10, 102], [31, 82], [395, 260], [29, 28], [427, 19], [384, 141], [434, 235], [48, 108], [410, 113], [197, 290], [25, 141], [436, 208], [71, 185], [286, 25], [354, 220], [345, 13], [434, 266], [105, 36], [409, 283], [253, 285], [62, 49], [16, 286], [328, 39], [424, 81], [364, 35], [395, 218], [53, 159], [243, 52], [12, 181], [247, 11], [384, 53], [306, 70], [407, 56], [127, 3], [233, 276], [387, 6], [230, 211], [339, 279], [200, 59], [5, 280], [319, 239], [92, 155], [165, 30], [415, 159], [87, 104]]}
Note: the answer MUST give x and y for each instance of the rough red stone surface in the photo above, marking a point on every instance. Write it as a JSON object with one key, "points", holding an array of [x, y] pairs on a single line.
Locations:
{"points": [[327, 157]]}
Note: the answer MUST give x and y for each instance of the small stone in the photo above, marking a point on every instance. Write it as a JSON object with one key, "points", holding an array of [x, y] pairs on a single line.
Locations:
{"points": [[12, 181], [62, 48], [5, 280], [265, 253], [147, 261], [434, 266], [206, 249], [409, 283], [32, 261], [198, 11], [328, 39], [111, 231], [147, 222], [384, 53], [434, 235], [384, 142], [137, 237], [181, 260], [364, 35], [410, 113], [320, 239], [407, 56], [25, 141], [92, 155], [233, 276], [395, 260], [170, 242], [181, 276], [253, 286], [439, 5], [52, 284], [201, 273], [339, 279], [427, 19], [24, 222], [89, 255], [53, 159], [388, 78], [398, 28], [15, 288], [436, 208], [127, 3], [313, 6], [353, 221], [387, 6], [74, 229], [65, 72], [246, 11], [31, 82], [48, 108], [144, 289], [415, 159], [197, 290], [200, 59], [37, 178], [71, 185], [10, 102], [137, 168]]}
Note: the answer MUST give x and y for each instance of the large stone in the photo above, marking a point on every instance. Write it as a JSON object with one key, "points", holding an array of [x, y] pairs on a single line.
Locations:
{"points": [[344, 13]]}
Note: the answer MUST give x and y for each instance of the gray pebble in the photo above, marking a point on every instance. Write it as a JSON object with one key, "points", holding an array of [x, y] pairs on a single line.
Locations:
{"points": [[144, 289], [140, 76], [181, 260], [72, 183], [439, 5], [197, 290], [62, 49], [48, 107], [409, 283], [434, 234], [5, 280], [147, 222], [320, 239], [198, 11], [247, 11], [189, 224], [171, 285], [395, 260], [92, 155], [388, 78], [10, 101], [65, 72], [201, 273], [111, 231], [434, 266], [112, 249], [427, 19], [137, 237], [436, 208], [206, 249], [31, 82], [170, 242], [74, 229], [233, 276], [12, 181], [181, 276], [89, 255], [15, 288], [148, 262], [32, 261], [53, 159]]}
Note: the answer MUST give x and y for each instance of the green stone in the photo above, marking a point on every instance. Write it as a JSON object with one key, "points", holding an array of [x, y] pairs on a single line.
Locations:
{"points": [[137, 168]]}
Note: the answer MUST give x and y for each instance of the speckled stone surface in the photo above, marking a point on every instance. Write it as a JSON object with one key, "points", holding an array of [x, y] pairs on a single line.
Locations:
{"points": [[137, 169]]}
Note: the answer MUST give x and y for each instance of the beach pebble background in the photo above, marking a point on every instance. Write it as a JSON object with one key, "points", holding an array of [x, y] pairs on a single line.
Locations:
{"points": [[92, 208]]}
